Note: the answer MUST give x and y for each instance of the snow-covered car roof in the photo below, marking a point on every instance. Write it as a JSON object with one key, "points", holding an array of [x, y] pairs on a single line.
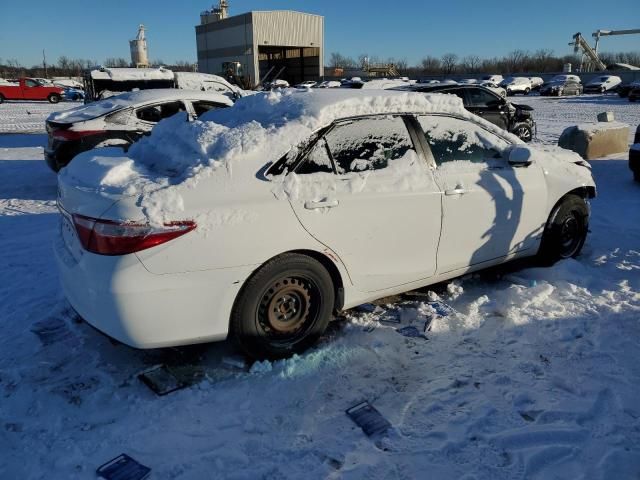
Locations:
{"points": [[131, 74], [138, 98], [222, 143]]}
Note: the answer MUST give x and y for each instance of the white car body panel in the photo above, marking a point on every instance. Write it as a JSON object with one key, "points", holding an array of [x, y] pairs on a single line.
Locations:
{"points": [[385, 234]]}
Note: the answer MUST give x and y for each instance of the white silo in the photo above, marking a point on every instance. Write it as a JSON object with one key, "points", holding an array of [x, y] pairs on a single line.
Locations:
{"points": [[139, 53]]}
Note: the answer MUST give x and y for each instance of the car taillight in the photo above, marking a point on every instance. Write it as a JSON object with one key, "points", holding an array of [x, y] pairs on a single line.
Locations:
{"points": [[73, 134], [106, 237]]}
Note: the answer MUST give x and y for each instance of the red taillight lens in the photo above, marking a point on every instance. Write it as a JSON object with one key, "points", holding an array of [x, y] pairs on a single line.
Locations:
{"points": [[106, 237], [73, 134]]}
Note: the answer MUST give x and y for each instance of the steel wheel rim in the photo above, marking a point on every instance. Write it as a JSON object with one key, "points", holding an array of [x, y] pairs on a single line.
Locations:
{"points": [[570, 238], [288, 309]]}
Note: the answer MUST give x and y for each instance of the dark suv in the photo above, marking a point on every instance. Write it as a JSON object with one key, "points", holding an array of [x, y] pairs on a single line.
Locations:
{"points": [[559, 88], [489, 105]]}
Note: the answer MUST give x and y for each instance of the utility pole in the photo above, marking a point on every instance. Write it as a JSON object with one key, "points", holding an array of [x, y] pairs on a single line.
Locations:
{"points": [[44, 63]]}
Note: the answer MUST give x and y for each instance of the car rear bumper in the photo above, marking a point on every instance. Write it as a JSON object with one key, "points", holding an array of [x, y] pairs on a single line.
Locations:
{"points": [[119, 297]]}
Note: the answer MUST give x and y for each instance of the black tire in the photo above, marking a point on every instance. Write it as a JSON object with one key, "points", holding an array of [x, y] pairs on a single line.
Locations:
{"points": [[1, 99], [526, 91], [636, 176], [283, 308], [523, 132], [54, 98], [566, 230]]}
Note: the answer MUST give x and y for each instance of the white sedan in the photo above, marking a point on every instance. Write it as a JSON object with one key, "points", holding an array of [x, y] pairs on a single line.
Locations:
{"points": [[262, 220]]}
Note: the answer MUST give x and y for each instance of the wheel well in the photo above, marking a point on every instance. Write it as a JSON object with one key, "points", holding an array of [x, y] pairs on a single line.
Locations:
{"points": [[584, 192], [336, 278]]}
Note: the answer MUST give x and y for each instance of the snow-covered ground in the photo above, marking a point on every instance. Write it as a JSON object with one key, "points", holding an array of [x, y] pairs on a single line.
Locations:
{"points": [[554, 114], [532, 373], [28, 117]]}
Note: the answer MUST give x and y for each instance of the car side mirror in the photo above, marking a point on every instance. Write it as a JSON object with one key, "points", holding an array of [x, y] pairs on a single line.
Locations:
{"points": [[520, 156]]}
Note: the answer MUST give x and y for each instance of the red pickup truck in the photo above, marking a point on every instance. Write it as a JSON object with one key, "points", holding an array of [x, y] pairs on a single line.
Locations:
{"points": [[29, 89]]}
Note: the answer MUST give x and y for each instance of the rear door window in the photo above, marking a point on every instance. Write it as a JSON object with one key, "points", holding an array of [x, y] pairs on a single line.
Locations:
{"points": [[371, 143], [155, 113], [202, 106]]}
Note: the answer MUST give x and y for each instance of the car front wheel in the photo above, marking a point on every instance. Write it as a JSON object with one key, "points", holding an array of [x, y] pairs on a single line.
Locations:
{"points": [[283, 308], [54, 98], [523, 132], [566, 230]]}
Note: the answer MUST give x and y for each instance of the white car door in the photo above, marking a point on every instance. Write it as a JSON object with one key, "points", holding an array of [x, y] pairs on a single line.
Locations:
{"points": [[365, 192], [491, 209]]}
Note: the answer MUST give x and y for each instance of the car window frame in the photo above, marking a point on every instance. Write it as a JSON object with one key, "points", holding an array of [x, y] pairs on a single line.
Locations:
{"points": [[410, 121]]}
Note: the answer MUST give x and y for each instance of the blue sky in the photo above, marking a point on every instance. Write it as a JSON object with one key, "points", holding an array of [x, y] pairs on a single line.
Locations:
{"points": [[411, 29]]}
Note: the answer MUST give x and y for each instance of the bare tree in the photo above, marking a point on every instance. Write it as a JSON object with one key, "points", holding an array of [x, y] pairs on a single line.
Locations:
{"points": [[430, 64], [471, 63], [449, 61]]}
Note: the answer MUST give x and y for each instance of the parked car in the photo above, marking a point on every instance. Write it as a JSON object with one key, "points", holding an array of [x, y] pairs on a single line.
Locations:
{"points": [[120, 120], [624, 88], [515, 85], [489, 105], [30, 89], [340, 199], [495, 88], [563, 77], [561, 87], [602, 84], [497, 79], [634, 156], [307, 84], [536, 83], [73, 94], [328, 84], [634, 94]]}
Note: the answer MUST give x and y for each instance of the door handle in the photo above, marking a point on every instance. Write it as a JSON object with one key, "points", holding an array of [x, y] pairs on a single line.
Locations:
{"points": [[313, 204], [455, 191]]}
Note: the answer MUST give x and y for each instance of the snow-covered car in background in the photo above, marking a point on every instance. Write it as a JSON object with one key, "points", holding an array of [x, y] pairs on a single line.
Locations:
{"points": [[565, 86], [494, 87], [307, 84], [515, 85], [634, 94], [328, 84], [120, 120], [260, 221], [563, 77], [497, 79], [536, 83], [602, 84]]}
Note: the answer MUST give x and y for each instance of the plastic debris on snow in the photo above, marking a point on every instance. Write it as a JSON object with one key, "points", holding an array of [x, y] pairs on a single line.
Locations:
{"points": [[369, 419], [123, 467]]}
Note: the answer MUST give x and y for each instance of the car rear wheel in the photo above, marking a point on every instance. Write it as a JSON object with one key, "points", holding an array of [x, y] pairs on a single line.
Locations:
{"points": [[526, 91], [283, 308], [1, 99], [566, 230], [54, 98]]}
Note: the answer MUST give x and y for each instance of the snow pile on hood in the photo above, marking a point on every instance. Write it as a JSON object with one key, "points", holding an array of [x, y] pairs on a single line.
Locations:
{"points": [[258, 129]]}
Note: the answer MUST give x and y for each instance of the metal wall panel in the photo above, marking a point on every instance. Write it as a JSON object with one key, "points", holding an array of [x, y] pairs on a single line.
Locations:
{"points": [[288, 29]]}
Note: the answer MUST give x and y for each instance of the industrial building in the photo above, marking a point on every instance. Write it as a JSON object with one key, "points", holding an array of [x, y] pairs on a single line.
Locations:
{"points": [[261, 46]]}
